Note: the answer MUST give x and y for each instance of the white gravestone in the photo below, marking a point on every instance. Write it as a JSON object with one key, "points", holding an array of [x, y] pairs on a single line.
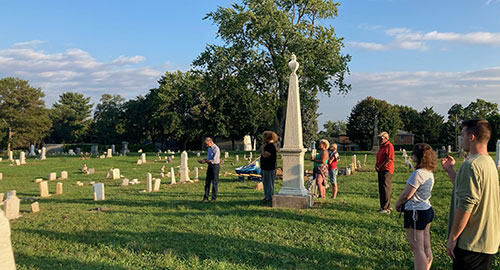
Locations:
{"points": [[196, 174], [125, 182], [293, 190], [6, 254], [98, 192], [157, 185], [11, 207], [247, 143], [143, 158], [109, 153], [149, 182], [35, 208], [116, 174], [184, 170], [226, 155], [22, 158], [172, 176], [11, 156], [64, 175], [59, 188], [44, 189], [1, 176], [237, 158], [364, 162], [32, 151], [43, 156], [18, 162], [52, 176]]}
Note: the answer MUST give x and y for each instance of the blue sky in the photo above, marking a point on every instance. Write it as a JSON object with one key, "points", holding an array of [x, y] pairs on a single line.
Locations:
{"points": [[415, 53]]}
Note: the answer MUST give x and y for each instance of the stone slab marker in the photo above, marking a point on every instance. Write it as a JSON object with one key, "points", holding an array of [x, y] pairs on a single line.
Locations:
{"points": [[1, 176], [43, 156], [364, 162], [184, 170], [44, 189], [125, 182], [64, 175], [116, 174], [172, 176], [32, 151], [35, 207], [6, 254], [94, 149], [11, 207], [18, 162], [226, 155], [143, 157], [149, 182], [293, 193], [11, 156], [52, 176], [109, 153], [59, 188], [196, 174], [157, 185], [237, 158], [98, 192], [22, 158], [113, 149], [247, 143]]}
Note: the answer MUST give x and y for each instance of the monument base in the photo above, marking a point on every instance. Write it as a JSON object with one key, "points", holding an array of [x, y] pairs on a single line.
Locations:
{"points": [[291, 201]]}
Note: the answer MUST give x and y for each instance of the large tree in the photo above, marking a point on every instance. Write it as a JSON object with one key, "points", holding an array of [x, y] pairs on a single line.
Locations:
{"points": [[408, 116], [360, 125], [22, 113], [428, 126], [480, 109], [267, 32], [333, 129], [108, 124], [70, 118]]}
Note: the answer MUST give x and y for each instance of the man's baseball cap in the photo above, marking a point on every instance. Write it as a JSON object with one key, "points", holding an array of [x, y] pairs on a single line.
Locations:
{"points": [[384, 134]]}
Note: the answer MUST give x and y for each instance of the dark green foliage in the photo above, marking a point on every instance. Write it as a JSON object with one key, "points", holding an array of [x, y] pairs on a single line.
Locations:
{"points": [[70, 118], [428, 126], [108, 126], [360, 125]]}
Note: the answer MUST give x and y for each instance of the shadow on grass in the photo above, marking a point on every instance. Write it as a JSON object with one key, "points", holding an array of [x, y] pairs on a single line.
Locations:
{"points": [[186, 245], [43, 262]]}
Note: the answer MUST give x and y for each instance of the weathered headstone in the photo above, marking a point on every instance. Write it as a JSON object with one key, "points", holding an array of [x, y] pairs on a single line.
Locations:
{"points": [[91, 171], [11, 156], [169, 160], [354, 162], [116, 174], [98, 192], [157, 185], [35, 208], [78, 151], [172, 176], [196, 174], [109, 153], [6, 255], [10, 193], [113, 149], [43, 156], [1, 197], [198, 154], [18, 162], [1, 176], [52, 176], [22, 157], [184, 170], [149, 182], [139, 162], [143, 158], [32, 151], [293, 193], [44, 189], [247, 143], [226, 155], [59, 188], [237, 158], [124, 182], [64, 175], [364, 161], [11, 207], [94, 149], [404, 153]]}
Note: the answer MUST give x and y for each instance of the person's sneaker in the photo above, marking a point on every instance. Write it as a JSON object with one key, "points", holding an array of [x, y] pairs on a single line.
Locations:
{"points": [[384, 211]]}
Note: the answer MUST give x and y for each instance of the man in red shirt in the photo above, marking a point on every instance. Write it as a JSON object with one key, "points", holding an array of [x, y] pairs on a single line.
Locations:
{"points": [[385, 170]]}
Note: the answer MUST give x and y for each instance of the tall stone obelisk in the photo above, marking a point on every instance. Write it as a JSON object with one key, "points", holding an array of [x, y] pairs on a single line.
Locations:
{"points": [[293, 194]]}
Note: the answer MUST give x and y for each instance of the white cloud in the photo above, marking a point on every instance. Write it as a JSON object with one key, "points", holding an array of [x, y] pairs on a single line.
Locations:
{"points": [[77, 70], [488, 2], [414, 89], [408, 39]]}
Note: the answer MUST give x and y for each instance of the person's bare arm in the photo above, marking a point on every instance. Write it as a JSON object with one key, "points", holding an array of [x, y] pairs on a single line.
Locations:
{"points": [[448, 165], [459, 223], [405, 196]]}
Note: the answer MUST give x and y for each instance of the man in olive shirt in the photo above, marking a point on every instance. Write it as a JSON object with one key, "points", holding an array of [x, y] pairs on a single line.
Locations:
{"points": [[474, 219]]}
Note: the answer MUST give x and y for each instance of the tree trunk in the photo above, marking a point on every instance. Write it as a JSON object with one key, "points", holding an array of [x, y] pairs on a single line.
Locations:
{"points": [[9, 140], [232, 143]]}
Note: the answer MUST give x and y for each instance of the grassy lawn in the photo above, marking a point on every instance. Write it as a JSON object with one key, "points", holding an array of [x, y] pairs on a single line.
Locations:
{"points": [[171, 229]]}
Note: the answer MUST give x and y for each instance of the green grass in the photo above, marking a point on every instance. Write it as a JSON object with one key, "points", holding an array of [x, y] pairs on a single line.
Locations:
{"points": [[171, 229]]}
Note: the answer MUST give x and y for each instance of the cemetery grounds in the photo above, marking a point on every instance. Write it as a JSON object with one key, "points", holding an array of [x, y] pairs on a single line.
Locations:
{"points": [[172, 229]]}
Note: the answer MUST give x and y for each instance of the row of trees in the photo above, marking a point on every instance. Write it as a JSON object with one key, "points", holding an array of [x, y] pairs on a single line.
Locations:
{"points": [[234, 89], [427, 125]]}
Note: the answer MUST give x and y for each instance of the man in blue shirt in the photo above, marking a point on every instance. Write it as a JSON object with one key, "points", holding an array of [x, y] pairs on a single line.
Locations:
{"points": [[213, 161]]}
